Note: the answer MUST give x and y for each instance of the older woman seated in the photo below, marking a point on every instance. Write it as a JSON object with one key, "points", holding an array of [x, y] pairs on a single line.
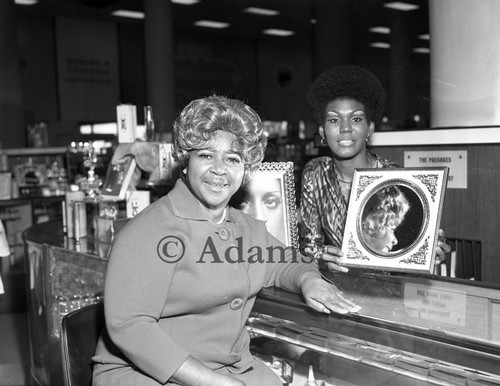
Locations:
{"points": [[183, 275]]}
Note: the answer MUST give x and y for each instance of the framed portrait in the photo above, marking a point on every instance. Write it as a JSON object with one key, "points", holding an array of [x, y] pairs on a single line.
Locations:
{"points": [[117, 179], [393, 218], [270, 196]]}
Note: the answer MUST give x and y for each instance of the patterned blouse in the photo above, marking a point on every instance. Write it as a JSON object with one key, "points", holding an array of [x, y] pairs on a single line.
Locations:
{"points": [[323, 208]]}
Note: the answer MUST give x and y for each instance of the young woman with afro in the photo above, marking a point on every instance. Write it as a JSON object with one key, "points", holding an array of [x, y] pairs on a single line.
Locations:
{"points": [[347, 103]]}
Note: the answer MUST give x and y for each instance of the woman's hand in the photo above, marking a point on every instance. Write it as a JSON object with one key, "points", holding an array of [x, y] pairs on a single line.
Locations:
{"points": [[193, 373], [330, 257], [442, 248], [325, 297]]}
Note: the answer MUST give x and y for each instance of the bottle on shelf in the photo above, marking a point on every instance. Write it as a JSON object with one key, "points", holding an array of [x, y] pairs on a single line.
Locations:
{"points": [[149, 123]]}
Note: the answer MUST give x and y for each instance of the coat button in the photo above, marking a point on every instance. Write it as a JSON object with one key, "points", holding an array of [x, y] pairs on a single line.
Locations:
{"points": [[224, 234], [236, 304]]}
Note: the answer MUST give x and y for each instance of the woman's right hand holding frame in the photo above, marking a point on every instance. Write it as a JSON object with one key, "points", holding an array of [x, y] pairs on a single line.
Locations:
{"points": [[330, 257]]}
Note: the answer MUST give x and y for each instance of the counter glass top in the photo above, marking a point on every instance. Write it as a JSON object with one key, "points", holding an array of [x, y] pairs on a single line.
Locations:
{"points": [[457, 310], [450, 310], [51, 233]]}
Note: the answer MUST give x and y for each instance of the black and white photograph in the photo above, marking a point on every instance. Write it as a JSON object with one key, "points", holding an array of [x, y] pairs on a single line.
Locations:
{"points": [[249, 192]]}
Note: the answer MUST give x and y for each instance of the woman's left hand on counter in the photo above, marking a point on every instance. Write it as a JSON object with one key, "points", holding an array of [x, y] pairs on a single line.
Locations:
{"points": [[325, 297], [442, 248]]}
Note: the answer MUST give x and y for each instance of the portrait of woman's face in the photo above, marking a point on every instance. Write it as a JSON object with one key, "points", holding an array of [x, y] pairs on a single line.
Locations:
{"points": [[386, 243], [263, 199], [382, 215]]}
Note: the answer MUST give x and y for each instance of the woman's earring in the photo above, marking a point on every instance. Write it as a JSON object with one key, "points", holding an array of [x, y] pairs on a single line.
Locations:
{"points": [[323, 141], [184, 171], [368, 139]]}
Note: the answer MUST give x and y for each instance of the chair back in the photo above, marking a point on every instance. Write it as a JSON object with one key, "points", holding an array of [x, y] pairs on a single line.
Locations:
{"points": [[80, 331], [464, 260]]}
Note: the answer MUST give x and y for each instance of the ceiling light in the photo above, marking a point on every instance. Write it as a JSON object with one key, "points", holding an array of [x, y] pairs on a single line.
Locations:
{"points": [[380, 30], [130, 14], [25, 2], [185, 2], [424, 37], [422, 50], [278, 32], [211, 24], [380, 45], [400, 6], [313, 21], [261, 11]]}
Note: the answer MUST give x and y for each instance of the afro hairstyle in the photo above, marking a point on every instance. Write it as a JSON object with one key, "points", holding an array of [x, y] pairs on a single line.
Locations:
{"points": [[347, 82]]}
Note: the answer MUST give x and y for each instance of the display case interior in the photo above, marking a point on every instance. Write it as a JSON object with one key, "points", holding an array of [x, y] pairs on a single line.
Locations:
{"points": [[63, 276], [411, 330]]}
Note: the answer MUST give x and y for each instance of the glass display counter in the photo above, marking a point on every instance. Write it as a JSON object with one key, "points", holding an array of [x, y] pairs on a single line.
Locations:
{"points": [[62, 276], [411, 330]]}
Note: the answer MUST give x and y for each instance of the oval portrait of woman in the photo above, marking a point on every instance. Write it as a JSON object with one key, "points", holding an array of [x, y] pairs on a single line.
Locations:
{"points": [[392, 219]]}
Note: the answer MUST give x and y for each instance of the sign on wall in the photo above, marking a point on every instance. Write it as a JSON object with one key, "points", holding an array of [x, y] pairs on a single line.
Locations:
{"points": [[87, 70], [456, 160]]}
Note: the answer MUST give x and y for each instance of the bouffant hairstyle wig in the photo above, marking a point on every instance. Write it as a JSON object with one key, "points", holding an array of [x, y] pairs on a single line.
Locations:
{"points": [[347, 82], [386, 208], [198, 122]]}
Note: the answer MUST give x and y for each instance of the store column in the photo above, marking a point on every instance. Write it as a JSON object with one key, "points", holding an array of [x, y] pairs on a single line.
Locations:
{"points": [[465, 81], [160, 80], [11, 101]]}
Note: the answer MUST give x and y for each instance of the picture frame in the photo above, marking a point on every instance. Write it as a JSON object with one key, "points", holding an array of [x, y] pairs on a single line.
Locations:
{"points": [[30, 174], [117, 180], [393, 219], [270, 196]]}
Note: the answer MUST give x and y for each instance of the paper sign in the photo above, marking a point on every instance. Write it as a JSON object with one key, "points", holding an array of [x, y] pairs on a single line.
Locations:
{"points": [[435, 305], [495, 321], [456, 160], [137, 200], [4, 245], [167, 165]]}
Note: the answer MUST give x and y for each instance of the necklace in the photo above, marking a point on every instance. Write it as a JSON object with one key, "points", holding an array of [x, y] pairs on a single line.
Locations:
{"points": [[341, 181], [345, 186], [344, 182], [221, 219]]}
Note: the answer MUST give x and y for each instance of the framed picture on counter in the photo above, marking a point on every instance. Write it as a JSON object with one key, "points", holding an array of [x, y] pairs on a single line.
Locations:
{"points": [[393, 218], [270, 196]]}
